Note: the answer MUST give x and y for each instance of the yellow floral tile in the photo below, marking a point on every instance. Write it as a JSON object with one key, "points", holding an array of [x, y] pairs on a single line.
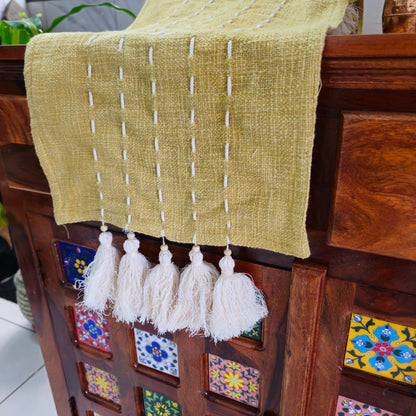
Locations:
{"points": [[382, 348]]}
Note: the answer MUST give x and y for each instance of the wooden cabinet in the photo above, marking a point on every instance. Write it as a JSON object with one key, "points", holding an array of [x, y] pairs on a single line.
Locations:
{"points": [[342, 325]]}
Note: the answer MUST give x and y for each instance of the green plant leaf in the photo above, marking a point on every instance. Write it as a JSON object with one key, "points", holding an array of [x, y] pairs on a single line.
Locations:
{"points": [[77, 9]]}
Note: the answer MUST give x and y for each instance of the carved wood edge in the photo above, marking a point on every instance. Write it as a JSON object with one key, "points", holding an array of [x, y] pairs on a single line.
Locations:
{"points": [[305, 304]]}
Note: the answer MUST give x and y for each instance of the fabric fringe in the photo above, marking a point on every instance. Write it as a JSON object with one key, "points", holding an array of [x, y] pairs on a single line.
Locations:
{"points": [[160, 292], [133, 271], [100, 276], [237, 305], [349, 26], [195, 294]]}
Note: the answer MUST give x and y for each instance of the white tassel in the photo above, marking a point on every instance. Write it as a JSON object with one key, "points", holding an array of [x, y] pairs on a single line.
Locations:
{"points": [[238, 304], [100, 275], [160, 291], [133, 270], [194, 301]]}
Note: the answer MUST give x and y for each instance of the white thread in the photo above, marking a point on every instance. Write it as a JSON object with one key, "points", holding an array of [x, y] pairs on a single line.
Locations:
{"points": [[191, 47], [226, 205], [91, 99], [155, 117], [244, 8], [225, 181], [89, 70], [94, 151], [120, 44], [227, 119], [162, 216], [122, 100], [98, 177], [128, 200], [237, 14], [220, 26], [194, 215], [127, 179], [238, 30], [229, 85], [227, 149], [267, 20], [162, 233], [92, 38], [151, 56], [124, 154], [101, 196], [193, 144], [102, 213], [193, 197], [120, 70], [156, 144], [229, 49], [191, 84], [192, 116], [259, 25], [229, 21], [228, 224], [228, 240], [153, 87], [92, 126], [175, 22], [160, 195], [123, 128], [158, 170], [193, 168], [129, 219]]}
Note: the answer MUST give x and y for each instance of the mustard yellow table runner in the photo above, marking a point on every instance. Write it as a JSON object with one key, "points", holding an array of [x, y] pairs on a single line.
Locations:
{"points": [[196, 122]]}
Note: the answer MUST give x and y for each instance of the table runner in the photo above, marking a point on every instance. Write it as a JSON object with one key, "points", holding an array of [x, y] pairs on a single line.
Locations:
{"points": [[196, 122]]}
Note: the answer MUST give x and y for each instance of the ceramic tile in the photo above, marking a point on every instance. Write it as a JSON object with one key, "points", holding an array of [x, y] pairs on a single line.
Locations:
{"points": [[102, 383], [346, 406], [92, 330], [32, 398], [156, 404], [234, 380], [75, 259], [20, 356], [255, 332], [156, 352], [10, 311], [382, 348]]}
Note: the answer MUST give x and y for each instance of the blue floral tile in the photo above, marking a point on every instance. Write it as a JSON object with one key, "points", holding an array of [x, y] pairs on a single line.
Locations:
{"points": [[382, 348], [156, 404], [254, 333], [92, 330], [75, 260], [156, 352]]}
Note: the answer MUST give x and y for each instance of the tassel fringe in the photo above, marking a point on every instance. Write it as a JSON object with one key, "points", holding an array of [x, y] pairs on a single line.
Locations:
{"points": [[133, 271], [238, 304]]}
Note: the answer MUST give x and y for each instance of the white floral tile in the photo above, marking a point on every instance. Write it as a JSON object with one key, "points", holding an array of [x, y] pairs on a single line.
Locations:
{"points": [[156, 352]]}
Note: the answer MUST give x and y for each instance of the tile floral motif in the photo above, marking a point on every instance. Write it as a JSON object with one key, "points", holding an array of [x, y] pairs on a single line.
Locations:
{"points": [[92, 330], [255, 332], [156, 404], [102, 383], [382, 348], [347, 407], [75, 259], [156, 352], [234, 380]]}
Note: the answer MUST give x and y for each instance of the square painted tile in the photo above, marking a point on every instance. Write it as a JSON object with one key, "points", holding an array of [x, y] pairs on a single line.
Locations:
{"points": [[156, 352], [75, 260], [382, 348], [347, 407], [234, 380], [255, 332], [156, 404], [102, 383], [92, 330]]}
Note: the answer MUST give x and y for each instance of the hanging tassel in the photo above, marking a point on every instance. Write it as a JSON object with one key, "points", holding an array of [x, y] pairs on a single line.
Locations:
{"points": [[238, 304], [160, 291], [194, 301], [133, 271], [100, 275]]}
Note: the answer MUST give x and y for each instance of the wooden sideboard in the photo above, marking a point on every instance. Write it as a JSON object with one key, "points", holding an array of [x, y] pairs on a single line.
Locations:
{"points": [[342, 324]]}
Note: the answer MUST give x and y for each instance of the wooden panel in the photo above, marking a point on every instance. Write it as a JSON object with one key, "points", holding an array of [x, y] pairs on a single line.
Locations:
{"points": [[14, 120], [374, 207], [306, 293]]}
